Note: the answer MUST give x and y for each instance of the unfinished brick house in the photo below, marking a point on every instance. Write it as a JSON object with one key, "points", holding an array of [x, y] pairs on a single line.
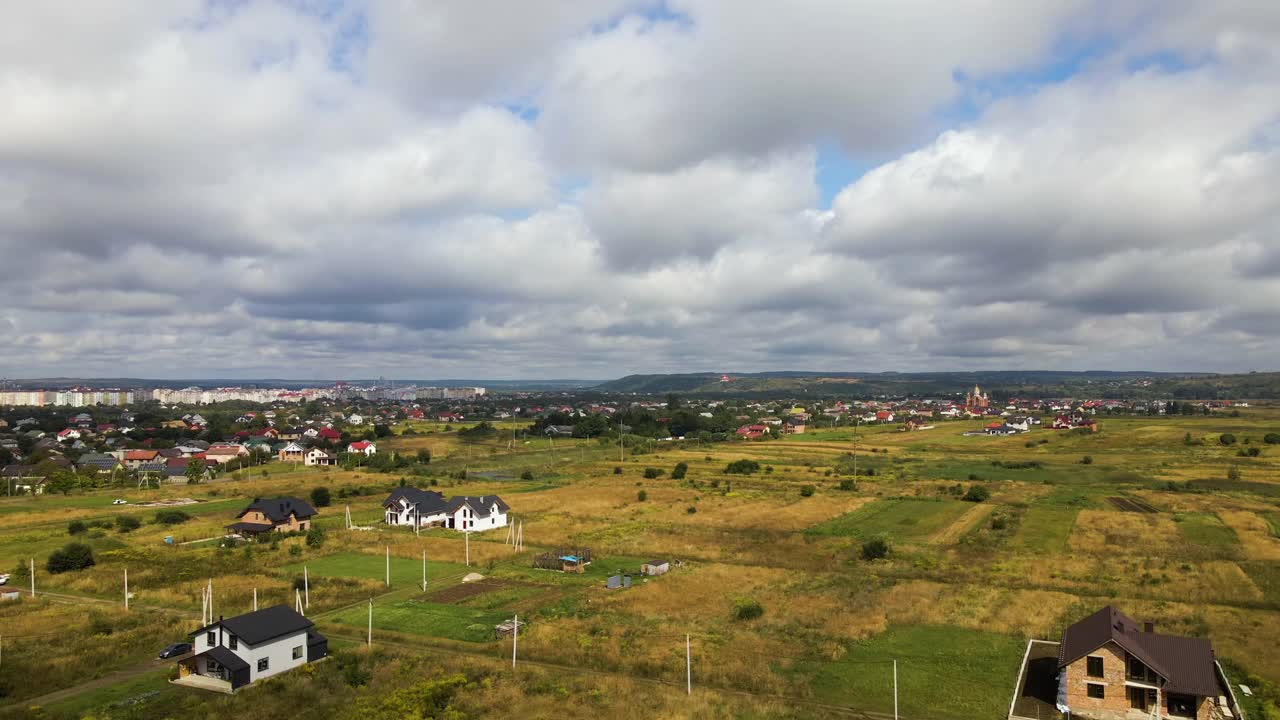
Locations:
{"points": [[1110, 668]]}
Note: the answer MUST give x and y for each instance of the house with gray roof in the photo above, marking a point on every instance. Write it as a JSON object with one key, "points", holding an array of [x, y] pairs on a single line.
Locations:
{"points": [[233, 652], [428, 508]]}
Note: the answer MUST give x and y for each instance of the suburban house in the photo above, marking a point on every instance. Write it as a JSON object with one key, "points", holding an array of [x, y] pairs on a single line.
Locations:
{"points": [[292, 452], [1110, 668], [101, 462], [565, 430], [69, 434], [22, 479], [316, 456], [1000, 429], [363, 447], [134, 459], [427, 508], [1072, 422], [751, 432], [282, 514], [231, 653], [224, 453]]}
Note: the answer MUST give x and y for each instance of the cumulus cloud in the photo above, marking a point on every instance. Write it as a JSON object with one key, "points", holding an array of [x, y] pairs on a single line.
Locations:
{"points": [[351, 189]]}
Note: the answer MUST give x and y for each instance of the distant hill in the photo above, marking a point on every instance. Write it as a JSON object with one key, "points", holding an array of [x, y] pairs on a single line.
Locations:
{"points": [[1005, 383]]}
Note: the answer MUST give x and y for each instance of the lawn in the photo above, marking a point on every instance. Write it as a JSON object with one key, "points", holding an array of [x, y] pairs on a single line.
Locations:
{"points": [[898, 519], [150, 687], [419, 617], [1205, 529], [973, 670], [373, 567], [1045, 528]]}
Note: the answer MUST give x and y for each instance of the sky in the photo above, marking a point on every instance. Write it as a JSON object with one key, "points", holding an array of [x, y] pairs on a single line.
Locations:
{"points": [[591, 188]]}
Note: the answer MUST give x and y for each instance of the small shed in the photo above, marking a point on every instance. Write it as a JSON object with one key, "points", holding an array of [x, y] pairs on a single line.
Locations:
{"points": [[507, 628], [10, 593], [619, 581], [655, 567]]}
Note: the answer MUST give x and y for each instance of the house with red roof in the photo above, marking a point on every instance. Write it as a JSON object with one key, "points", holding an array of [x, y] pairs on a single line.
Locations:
{"points": [[363, 447], [751, 432]]}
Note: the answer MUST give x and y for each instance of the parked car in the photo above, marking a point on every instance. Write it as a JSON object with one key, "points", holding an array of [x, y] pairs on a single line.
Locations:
{"points": [[175, 649], [119, 501], [4, 579]]}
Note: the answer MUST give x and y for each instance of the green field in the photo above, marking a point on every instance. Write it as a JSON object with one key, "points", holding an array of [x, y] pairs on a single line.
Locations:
{"points": [[897, 519], [373, 567], [419, 617], [1045, 528], [1205, 529], [933, 662]]}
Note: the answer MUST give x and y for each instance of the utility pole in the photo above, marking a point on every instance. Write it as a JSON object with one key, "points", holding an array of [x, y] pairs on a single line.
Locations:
{"points": [[424, 571], [467, 540], [255, 599], [369, 643], [126, 589], [515, 638], [388, 566], [306, 586], [688, 667], [33, 577], [895, 690]]}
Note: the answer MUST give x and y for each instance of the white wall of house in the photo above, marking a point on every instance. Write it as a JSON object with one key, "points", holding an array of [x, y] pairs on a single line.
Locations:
{"points": [[401, 514], [464, 519], [278, 652]]}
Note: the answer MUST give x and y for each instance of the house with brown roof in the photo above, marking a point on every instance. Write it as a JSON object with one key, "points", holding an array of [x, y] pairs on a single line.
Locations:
{"points": [[282, 514], [134, 459], [1110, 668]]}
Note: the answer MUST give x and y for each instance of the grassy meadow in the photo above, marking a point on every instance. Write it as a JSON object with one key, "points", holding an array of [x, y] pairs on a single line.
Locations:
{"points": [[1154, 515]]}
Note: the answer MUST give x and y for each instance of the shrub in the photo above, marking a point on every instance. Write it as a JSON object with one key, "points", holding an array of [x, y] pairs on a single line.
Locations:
{"points": [[691, 509], [848, 484], [642, 496], [1227, 439], [999, 522], [1271, 438], [1233, 473], [651, 473], [807, 490], [526, 475], [72, 556], [617, 470], [742, 467], [747, 609], [320, 497], [1086, 460], [76, 527], [679, 471], [171, 517], [127, 523], [973, 477], [315, 537], [977, 493], [875, 549]]}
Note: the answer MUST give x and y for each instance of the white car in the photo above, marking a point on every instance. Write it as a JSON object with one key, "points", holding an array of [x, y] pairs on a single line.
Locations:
{"points": [[119, 501], [4, 579]]}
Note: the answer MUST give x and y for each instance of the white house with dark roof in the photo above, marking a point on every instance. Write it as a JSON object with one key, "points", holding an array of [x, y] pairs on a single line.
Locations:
{"points": [[233, 652], [428, 508]]}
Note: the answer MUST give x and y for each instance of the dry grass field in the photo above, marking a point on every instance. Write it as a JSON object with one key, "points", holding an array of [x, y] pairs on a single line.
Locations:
{"points": [[962, 586]]}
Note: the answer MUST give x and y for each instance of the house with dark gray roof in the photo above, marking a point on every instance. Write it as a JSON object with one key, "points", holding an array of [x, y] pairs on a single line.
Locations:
{"points": [[233, 652], [469, 513], [1110, 668], [282, 514], [102, 462]]}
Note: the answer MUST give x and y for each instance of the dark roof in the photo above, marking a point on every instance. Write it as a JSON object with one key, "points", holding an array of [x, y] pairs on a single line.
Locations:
{"points": [[250, 527], [98, 460], [18, 471], [427, 501], [479, 504], [279, 509], [263, 625], [225, 658], [1186, 663]]}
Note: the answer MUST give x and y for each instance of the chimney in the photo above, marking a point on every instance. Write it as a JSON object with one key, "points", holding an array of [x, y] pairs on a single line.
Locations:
{"points": [[1148, 627]]}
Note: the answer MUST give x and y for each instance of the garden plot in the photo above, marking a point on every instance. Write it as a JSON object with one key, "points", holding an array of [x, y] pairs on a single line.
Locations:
{"points": [[898, 519]]}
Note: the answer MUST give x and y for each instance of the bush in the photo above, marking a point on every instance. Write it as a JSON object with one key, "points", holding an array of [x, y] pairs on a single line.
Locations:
{"points": [[679, 471], [72, 556], [171, 517], [1086, 460], [127, 523], [977, 493], [617, 470], [76, 527], [642, 496], [651, 473], [999, 522], [1271, 438], [848, 484], [315, 537], [807, 490], [320, 497], [526, 475], [1227, 439], [1233, 473], [691, 510], [875, 549], [747, 609], [742, 467]]}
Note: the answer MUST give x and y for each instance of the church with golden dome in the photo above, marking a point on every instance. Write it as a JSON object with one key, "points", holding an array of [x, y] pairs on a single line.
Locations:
{"points": [[977, 401]]}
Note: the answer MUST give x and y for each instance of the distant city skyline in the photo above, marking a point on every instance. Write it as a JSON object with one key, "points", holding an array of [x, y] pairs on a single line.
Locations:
{"points": [[606, 187]]}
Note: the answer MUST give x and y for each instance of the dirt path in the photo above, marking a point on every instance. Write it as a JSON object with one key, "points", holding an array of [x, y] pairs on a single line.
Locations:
{"points": [[111, 678], [962, 525]]}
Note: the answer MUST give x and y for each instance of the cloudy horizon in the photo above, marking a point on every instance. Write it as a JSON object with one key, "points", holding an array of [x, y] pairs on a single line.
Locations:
{"points": [[594, 188]]}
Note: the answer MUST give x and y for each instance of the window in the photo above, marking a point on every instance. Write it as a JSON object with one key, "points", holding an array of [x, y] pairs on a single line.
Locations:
{"points": [[211, 638], [232, 642], [265, 663], [297, 652], [1094, 666], [1095, 690], [1184, 705]]}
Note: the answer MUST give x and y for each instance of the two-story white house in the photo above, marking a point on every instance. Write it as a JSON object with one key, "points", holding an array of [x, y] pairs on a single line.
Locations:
{"points": [[234, 652], [427, 508]]}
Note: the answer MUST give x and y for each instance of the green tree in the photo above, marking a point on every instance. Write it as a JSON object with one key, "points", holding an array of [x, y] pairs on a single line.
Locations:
{"points": [[72, 556], [652, 473], [76, 527], [679, 471], [747, 609], [642, 496], [807, 490], [195, 471], [315, 537], [424, 456], [1271, 438], [127, 523], [976, 493], [1227, 439], [875, 549], [320, 497]]}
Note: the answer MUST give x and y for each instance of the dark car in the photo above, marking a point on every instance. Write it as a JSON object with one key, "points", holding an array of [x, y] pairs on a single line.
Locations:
{"points": [[175, 650]]}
